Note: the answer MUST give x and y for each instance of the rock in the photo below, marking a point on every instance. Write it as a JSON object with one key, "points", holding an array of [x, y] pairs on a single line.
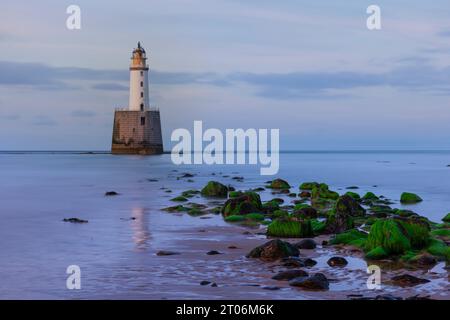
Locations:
{"points": [[338, 222], [309, 262], [306, 213], [213, 252], [273, 250], [271, 288], [232, 247], [308, 185], [290, 274], [215, 189], [205, 283], [279, 184], [322, 192], [351, 237], [293, 262], [377, 254], [349, 206], [408, 197], [250, 202], [75, 220], [387, 297], [179, 199], [370, 196], [446, 218], [398, 235], [111, 193], [290, 228], [423, 260], [306, 244], [407, 280], [317, 281], [187, 175], [324, 242], [352, 188], [166, 253], [305, 194], [337, 262], [354, 195], [214, 285]]}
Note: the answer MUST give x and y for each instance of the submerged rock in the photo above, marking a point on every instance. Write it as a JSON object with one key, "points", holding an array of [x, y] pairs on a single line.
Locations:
{"points": [[166, 253], [317, 281], [337, 262], [213, 252], [407, 280], [75, 220], [290, 274], [215, 189], [111, 193], [306, 244], [273, 250], [423, 260]]}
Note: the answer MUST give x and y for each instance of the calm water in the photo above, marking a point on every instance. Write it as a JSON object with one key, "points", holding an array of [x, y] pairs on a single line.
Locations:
{"points": [[38, 190]]}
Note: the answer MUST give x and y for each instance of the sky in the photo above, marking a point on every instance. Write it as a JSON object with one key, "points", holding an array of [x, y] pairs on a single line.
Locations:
{"points": [[309, 68]]}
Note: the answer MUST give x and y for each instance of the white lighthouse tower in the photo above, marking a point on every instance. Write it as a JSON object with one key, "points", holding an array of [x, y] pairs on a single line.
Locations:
{"points": [[138, 80], [137, 129]]}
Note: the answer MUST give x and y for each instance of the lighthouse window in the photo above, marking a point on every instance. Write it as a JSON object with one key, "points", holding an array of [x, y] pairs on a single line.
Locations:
{"points": [[142, 84], [142, 107], [142, 121], [142, 94], [142, 73]]}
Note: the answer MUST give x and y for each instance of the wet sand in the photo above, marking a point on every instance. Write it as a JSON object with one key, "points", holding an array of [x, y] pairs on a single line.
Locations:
{"points": [[237, 277]]}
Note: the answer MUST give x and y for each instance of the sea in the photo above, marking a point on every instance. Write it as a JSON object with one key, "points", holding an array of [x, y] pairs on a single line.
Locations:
{"points": [[116, 249]]}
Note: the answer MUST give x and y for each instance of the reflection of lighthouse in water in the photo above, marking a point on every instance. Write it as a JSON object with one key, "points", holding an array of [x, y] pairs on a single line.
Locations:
{"points": [[141, 233]]}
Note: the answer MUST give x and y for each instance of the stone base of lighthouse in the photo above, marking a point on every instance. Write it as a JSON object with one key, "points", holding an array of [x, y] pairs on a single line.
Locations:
{"points": [[137, 132]]}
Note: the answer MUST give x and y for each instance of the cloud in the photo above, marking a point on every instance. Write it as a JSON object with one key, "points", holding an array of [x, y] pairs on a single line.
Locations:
{"points": [[414, 74], [43, 121], [110, 87], [444, 33], [83, 113]]}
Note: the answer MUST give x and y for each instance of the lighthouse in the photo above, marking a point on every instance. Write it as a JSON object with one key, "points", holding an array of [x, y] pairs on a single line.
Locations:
{"points": [[138, 80], [137, 128]]}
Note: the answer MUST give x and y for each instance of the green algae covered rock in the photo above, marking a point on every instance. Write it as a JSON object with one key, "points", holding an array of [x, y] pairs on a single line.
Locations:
{"points": [[308, 185], [279, 184], [352, 237], [322, 191], [235, 194], [338, 222], [408, 197], [370, 196], [318, 226], [397, 236], [215, 189], [376, 254], [354, 195], [290, 228], [446, 218], [348, 205], [439, 248], [179, 199], [249, 202]]}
